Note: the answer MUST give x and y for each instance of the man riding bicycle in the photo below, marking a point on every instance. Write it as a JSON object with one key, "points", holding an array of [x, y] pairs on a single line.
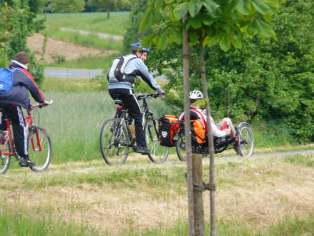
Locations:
{"points": [[17, 98], [121, 77]]}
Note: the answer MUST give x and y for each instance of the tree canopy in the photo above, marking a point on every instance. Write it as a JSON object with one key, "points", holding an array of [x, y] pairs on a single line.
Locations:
{"points": [[268, 80], [18, 21]]}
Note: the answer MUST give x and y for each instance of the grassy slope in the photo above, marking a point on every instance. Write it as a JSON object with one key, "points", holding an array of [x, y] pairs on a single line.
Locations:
{"points": [[257, 197], [92, 22]]}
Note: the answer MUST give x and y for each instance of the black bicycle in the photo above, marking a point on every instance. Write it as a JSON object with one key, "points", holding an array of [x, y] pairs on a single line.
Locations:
{"points": [[117, 135], [243, 143]]}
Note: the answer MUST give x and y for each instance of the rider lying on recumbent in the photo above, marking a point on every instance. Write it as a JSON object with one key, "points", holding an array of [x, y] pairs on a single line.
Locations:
{"points": [[224, 129]]}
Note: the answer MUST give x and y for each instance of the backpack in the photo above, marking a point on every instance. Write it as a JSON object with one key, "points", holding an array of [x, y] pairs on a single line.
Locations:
{"points": [[168, 127], [198, 126], [116, 71], [198, 132], [6, 80]]}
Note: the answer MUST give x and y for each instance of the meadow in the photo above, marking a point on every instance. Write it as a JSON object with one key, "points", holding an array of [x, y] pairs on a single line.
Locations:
{"points": [[262, 196], [63, 26], [66, 27], [79, 195]]}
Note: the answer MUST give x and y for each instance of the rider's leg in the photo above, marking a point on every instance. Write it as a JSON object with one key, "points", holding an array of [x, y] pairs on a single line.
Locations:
{"points": [[226, 124], [20, 133], [135, 111], [131, 103]]}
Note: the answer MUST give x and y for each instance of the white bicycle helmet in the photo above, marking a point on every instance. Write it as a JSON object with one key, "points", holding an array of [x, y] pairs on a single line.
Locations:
{"points": [[196, 94]]}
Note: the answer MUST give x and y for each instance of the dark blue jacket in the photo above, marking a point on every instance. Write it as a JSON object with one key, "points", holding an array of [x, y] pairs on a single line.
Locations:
{"points": [[23, 83]]}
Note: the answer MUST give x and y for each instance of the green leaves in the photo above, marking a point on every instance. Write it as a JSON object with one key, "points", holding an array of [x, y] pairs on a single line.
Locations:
{"points": [[195, 7], [243, 7], [261, 7], [226, 24], [211, 6], [181, 10]]}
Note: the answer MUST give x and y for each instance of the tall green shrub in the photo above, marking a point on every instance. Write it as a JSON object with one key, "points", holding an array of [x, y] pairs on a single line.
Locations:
{"points": [[17, 22], [271, 80]]}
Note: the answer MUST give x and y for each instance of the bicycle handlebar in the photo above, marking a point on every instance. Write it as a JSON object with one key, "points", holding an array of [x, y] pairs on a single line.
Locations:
{"points": [[40, 105], [152, 95]]}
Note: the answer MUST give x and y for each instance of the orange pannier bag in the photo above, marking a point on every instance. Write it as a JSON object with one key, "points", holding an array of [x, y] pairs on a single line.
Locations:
{"points": [[199, 131], [168, 128]]}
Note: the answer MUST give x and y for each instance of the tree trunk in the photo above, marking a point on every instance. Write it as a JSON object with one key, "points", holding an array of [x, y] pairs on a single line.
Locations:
{"points": [[187, 127], [194, 162], [109, 6], [210, 143]]}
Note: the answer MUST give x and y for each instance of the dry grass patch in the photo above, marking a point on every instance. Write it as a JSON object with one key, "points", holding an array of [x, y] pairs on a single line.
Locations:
{"points": [[60, 49], [256, 193]]}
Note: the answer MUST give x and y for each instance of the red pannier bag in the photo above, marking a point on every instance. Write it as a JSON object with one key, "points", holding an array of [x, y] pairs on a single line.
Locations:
{"points": [[168, 127]]}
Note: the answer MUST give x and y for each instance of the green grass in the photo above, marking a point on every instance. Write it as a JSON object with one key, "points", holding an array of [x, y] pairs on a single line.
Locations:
{"points": [[92, 22], [14, 223], [288, 227], [97, 62], [75, 118], [272, 135], [74, 85], [307, 161], [91, 41]]}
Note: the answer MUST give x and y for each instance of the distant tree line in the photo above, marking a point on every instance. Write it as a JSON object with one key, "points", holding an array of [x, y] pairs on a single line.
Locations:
{"points": [[269, 80]]}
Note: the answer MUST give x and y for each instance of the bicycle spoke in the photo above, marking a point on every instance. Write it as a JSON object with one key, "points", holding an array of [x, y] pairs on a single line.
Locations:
{"points": [[158, 153], [114, 142]]}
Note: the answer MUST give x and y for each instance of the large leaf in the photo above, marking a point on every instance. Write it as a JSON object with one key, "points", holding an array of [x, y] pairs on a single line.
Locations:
{"points": [[181, 10], [195, 7], [146, 20], [260, 6], [162, 41], [243, 7], [195, 22], [225, 43], [211, 6]]}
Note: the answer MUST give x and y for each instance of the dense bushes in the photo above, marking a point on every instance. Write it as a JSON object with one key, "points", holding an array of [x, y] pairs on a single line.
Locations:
{"points": [[17, 21], [271, 81]]}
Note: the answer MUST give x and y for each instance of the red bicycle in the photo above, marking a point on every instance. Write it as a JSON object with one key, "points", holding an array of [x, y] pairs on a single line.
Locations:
{"points": [[39, 143]]}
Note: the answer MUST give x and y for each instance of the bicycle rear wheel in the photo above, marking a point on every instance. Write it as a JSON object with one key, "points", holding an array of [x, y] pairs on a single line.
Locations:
{"points": [[180, 147], [114, 141], [157, 153], [39, 149], [4, 156]]}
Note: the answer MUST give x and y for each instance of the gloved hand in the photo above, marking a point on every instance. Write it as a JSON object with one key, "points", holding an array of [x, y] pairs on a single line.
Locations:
{"points": [[161, 92]]}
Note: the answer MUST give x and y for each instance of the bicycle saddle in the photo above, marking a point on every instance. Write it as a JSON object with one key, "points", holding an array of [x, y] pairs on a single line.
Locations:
{"points": [[118, 102]]}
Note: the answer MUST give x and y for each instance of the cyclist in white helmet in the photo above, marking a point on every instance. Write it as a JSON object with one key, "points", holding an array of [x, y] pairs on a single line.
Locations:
{"points": [[198, 111]]}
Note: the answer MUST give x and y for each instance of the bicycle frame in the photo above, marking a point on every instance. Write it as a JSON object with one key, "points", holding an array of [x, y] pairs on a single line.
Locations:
{"points": [[10, 138], [122, 113]]}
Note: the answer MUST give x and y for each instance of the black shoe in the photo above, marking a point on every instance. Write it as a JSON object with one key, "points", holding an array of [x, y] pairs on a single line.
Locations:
{"points": [[25, 162], [142, 150]]}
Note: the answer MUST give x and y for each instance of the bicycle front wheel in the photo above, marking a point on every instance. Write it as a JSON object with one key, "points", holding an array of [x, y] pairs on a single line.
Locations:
{"points": [[246, 141], [39, 149], [114, 141], [4, 157], [157, 153]]}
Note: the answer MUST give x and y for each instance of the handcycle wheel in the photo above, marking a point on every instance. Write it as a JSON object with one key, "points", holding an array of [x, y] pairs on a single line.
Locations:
{"points": [[245, 144], [180, 147], [157, 153], [4, 157], [114, 141], [39, 149]]}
